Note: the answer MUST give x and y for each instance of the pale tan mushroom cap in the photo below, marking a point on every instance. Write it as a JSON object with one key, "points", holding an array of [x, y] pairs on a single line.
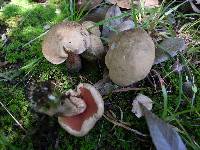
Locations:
{"points": [[92, 28], [88, 120], [96, 49], [69, 35], [130, 57]]}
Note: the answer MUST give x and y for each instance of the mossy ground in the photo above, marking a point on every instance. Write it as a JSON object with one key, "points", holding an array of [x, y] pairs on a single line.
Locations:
{"points": [[25, 21]]}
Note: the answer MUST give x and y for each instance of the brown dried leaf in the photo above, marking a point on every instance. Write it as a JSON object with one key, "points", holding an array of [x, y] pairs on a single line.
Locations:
{"points": [[88, 4], [121, 3]]}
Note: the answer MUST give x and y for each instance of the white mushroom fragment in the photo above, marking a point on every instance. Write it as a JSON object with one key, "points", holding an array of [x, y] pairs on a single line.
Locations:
{"points": [[81, 124], [141, 100], [65, 41], [130, 57]]}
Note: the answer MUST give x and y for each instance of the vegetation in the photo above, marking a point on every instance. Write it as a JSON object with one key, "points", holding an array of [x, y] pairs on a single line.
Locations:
{"points": [[26, 21]]}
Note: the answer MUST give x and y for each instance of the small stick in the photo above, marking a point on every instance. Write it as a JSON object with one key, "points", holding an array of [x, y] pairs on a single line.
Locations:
{"points": [[12, 116], [127, 89], [124, 126]]}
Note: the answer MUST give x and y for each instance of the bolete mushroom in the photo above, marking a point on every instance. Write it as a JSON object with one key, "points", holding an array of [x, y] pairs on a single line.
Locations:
{"points": [[81, 124], [130, 57], [65, 41]]}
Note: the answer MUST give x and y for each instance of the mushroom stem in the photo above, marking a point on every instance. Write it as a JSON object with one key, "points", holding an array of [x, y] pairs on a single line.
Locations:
{"points": [[73, 62]]}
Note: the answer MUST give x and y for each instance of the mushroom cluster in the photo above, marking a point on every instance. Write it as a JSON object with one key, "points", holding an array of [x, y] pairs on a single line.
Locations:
{"points": [[67, 40], [129, 59]]}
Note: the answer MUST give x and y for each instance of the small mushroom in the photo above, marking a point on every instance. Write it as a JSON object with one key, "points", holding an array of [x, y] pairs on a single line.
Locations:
{"points": [[96, 50], [81, 124], [65, 41], [130, 57]]}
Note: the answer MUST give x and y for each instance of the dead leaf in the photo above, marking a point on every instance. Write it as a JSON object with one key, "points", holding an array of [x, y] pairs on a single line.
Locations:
{"points": [[113, 11], [194, 7], [164, 136], [151, 3], [169, 48], [88, 4], [126, 25], [2, 64], [145, 101], [97, 14], [121, 3]]}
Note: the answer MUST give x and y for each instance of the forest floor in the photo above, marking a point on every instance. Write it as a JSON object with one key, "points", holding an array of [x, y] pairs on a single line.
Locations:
{"points": [[22, 26]]}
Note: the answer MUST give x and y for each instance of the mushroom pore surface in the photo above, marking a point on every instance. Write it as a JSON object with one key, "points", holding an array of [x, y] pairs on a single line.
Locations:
{"points": [[62, 38], [130, 57]]}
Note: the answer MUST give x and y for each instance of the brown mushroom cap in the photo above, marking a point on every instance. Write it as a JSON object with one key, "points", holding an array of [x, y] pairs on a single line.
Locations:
{"points": [[63, 38], [92, 28], [130, 57], [96, 49], [80, 125]]}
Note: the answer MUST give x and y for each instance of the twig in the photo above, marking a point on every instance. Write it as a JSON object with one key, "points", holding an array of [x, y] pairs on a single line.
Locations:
{"points": [[12, 116], [127, 89], [124, 126]]}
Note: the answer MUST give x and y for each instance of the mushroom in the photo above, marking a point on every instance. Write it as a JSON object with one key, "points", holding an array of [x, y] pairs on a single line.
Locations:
{"points": [[77, 111], [96, 50], [81, 124], [46, 99], [130, 57], [65, 41]]}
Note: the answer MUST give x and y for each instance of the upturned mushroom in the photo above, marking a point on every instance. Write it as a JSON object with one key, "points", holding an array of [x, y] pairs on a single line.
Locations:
{"points": [[130, 57], [81, 124], [77, 110]]}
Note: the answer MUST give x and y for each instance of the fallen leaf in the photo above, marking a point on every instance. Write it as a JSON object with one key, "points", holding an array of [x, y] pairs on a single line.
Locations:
{"points": [[164, 136], [126, 25], [145, 101], [169, 48], [2, 64], [97, 14], [121, 3], [88, 4], [194, 7], [113, 11], [151, 3]]}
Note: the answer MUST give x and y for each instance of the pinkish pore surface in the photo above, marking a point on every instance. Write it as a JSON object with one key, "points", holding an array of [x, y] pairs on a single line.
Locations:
{"points": [[75, 122]]}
